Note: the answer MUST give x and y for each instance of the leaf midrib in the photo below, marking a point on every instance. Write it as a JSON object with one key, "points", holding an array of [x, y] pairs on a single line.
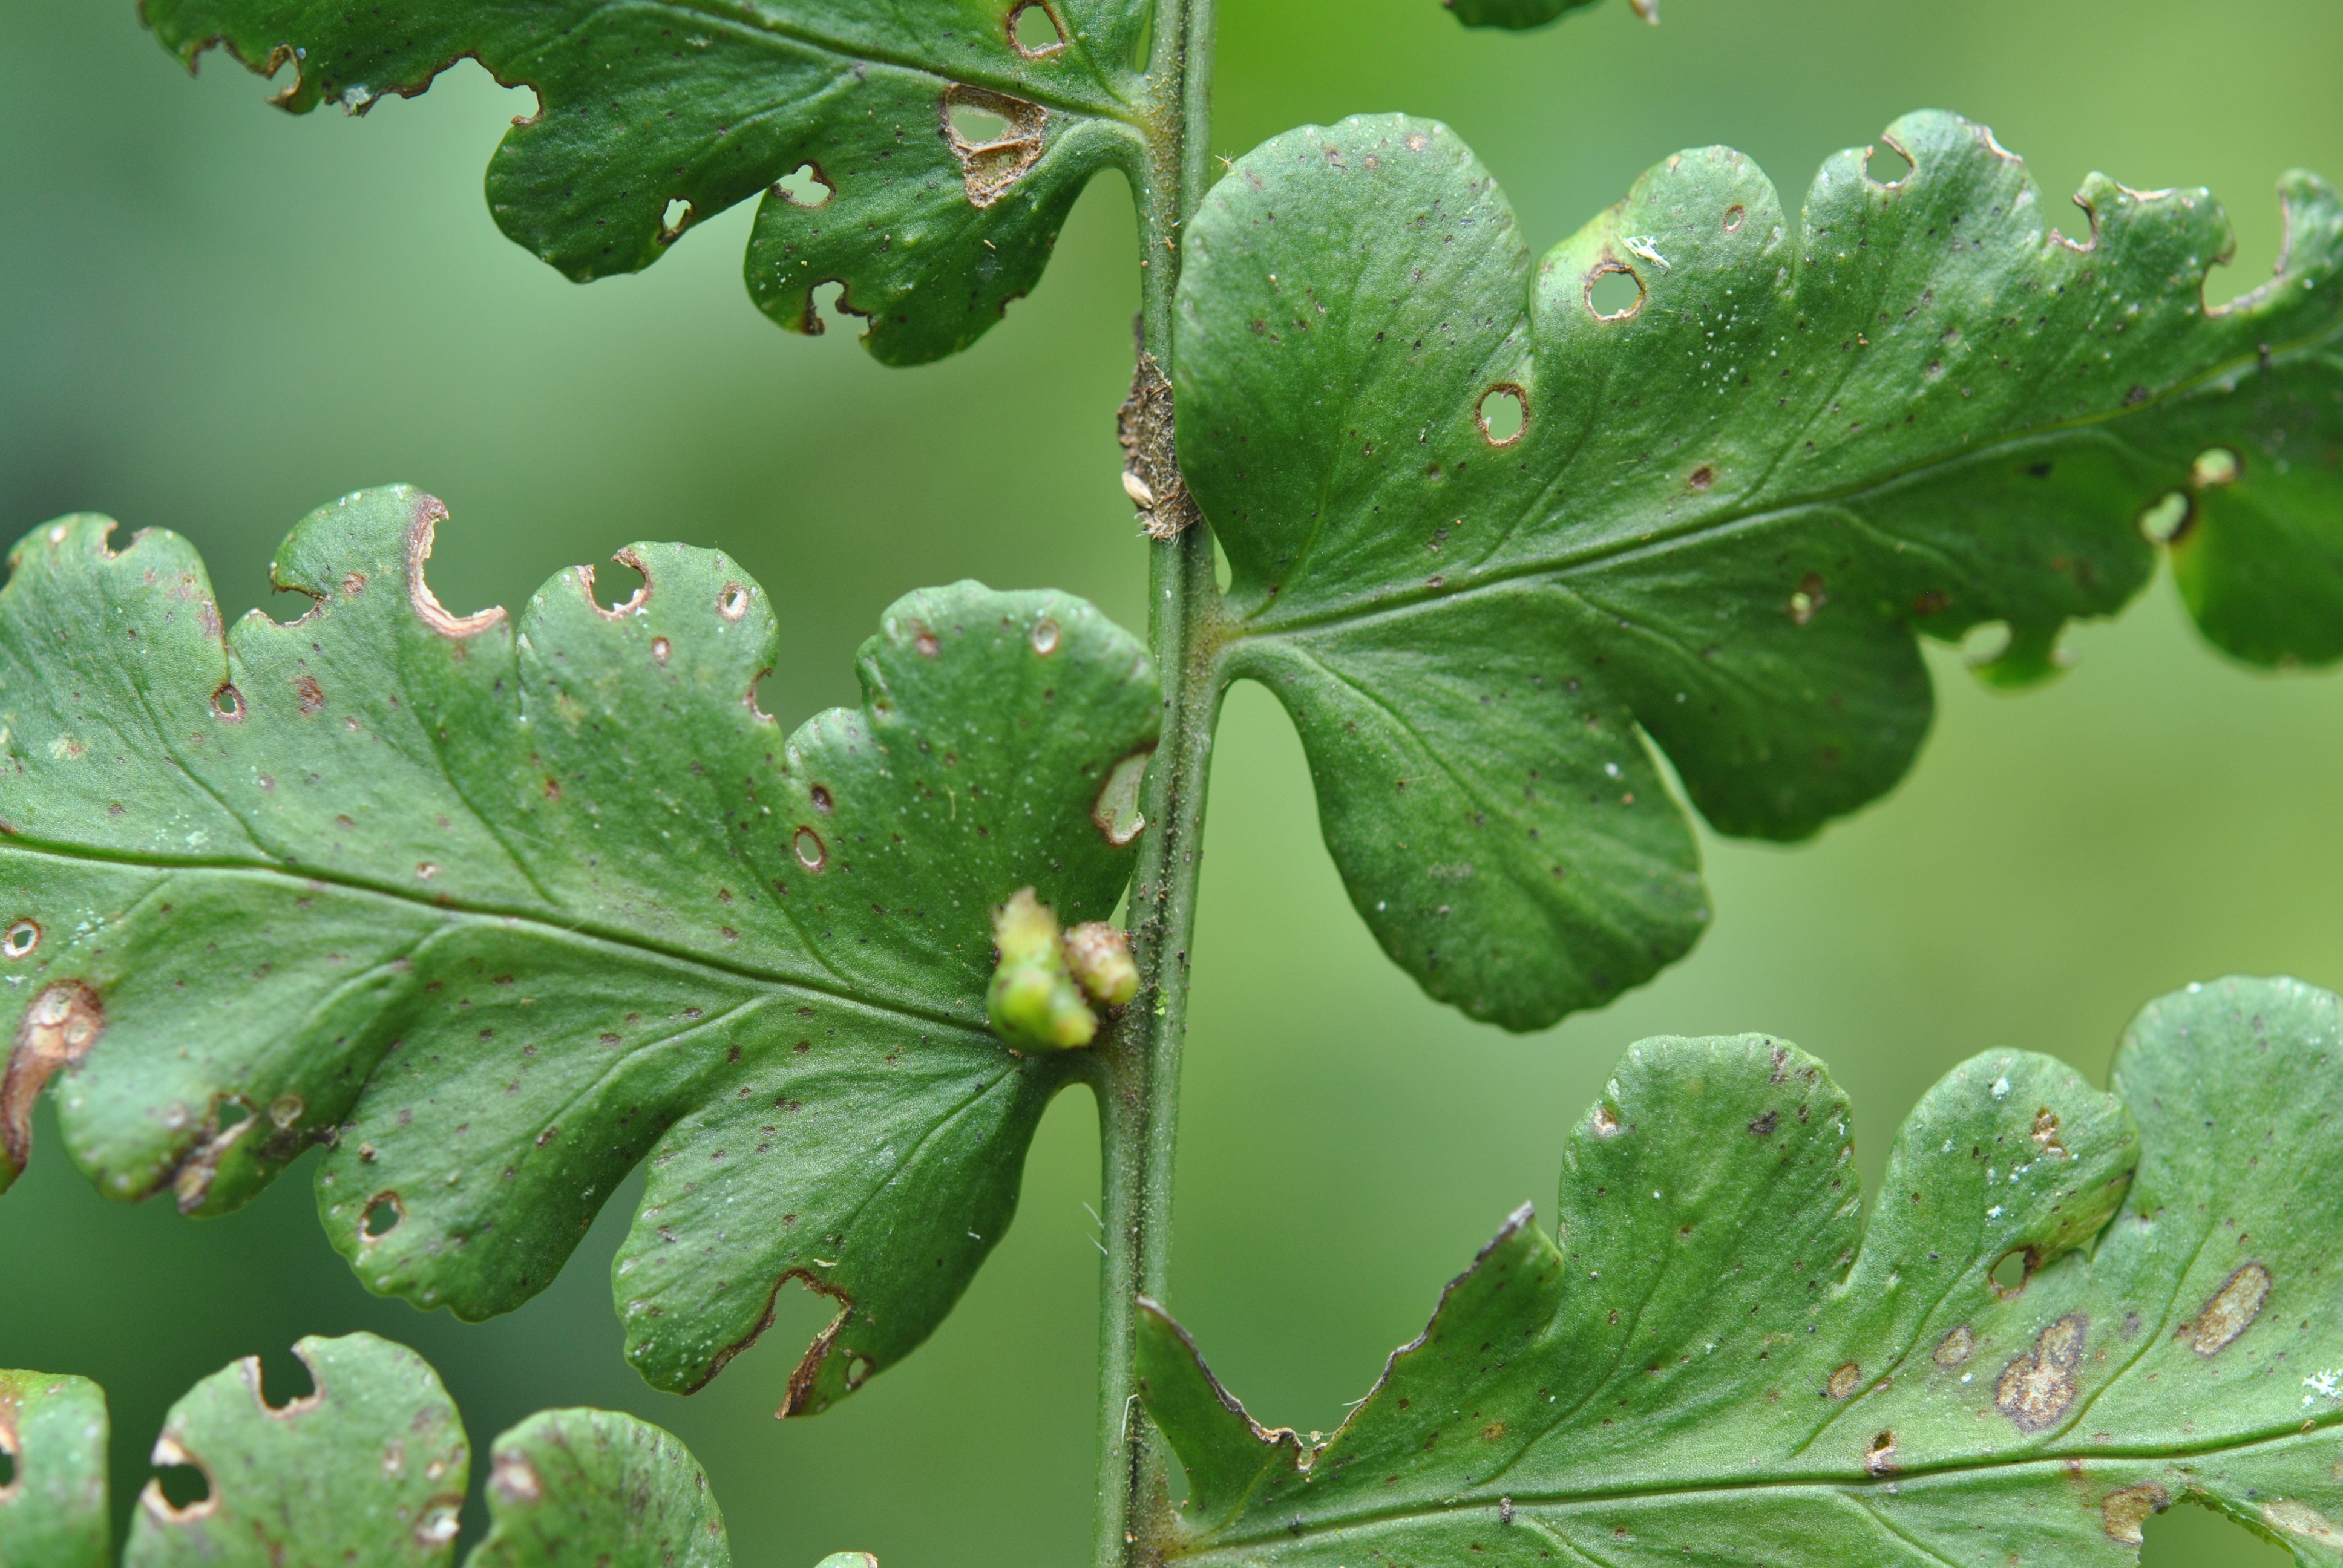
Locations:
{"points": [[1264, 623], [755, 19], [1273, 1533], [836, 989]]}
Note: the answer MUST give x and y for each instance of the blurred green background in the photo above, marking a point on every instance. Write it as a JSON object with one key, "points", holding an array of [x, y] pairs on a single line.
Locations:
{"points": [[214, 316]]}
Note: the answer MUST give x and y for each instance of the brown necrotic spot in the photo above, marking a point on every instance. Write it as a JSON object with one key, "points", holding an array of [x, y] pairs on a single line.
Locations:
{"points": [[1955, 1348], [1879, 1457], [1845, 1381], [2303, 1521], [311, 695], [2228, 1311], [2124, 1513], [2034, 1390], [515, 1478], [57, 1030], [997, 138], [428, 515]]}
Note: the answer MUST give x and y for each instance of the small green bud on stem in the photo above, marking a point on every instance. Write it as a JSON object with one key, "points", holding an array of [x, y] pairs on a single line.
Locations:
{"points": [[1100, 956], [1034, 1000], [1037, 996]]}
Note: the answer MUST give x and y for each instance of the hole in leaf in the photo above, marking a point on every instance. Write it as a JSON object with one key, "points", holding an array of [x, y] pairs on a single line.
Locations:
{"points": [[284, 1379], [21, 939], [1502, 413], [1033, 29], [674, 221], [2009, 1274], [230, 1113], [2166, 521], [827, 303], [809, 851], [2198, 1535], [383, 1214], [227, 703], [733, 602], [1888, 165], [1735, 216], [623, 580], [183, 1486], [7, 1464], [975, 127], [804, 188], [1985, 642], [1614, 292]]}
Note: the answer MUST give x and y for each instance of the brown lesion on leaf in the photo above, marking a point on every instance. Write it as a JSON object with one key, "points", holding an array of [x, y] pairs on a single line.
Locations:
{"points": [[2228, 1311], [57, 1030], [515, 1479], [1845, 1381], [2302, 1521], [2045, 1133], [989, 168], [2034, 1390], [193, 1183], [428, 515], [1879, 1456], [1955, 1348], [1150, 459], [2124, 1513]]}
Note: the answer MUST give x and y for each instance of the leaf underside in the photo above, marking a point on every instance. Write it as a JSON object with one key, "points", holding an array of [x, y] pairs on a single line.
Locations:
{"points": [[496, 908], [1492, 530], [1712, 1359], [919, 153], [1519, 15], [365, 1470]]}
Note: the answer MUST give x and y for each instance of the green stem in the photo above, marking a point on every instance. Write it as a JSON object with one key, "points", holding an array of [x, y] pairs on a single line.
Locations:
{"points": [[1138, 1089]]}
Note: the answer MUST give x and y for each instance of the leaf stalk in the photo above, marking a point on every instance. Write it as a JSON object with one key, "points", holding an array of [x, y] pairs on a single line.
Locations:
{"points": [[1139, 1080]]}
